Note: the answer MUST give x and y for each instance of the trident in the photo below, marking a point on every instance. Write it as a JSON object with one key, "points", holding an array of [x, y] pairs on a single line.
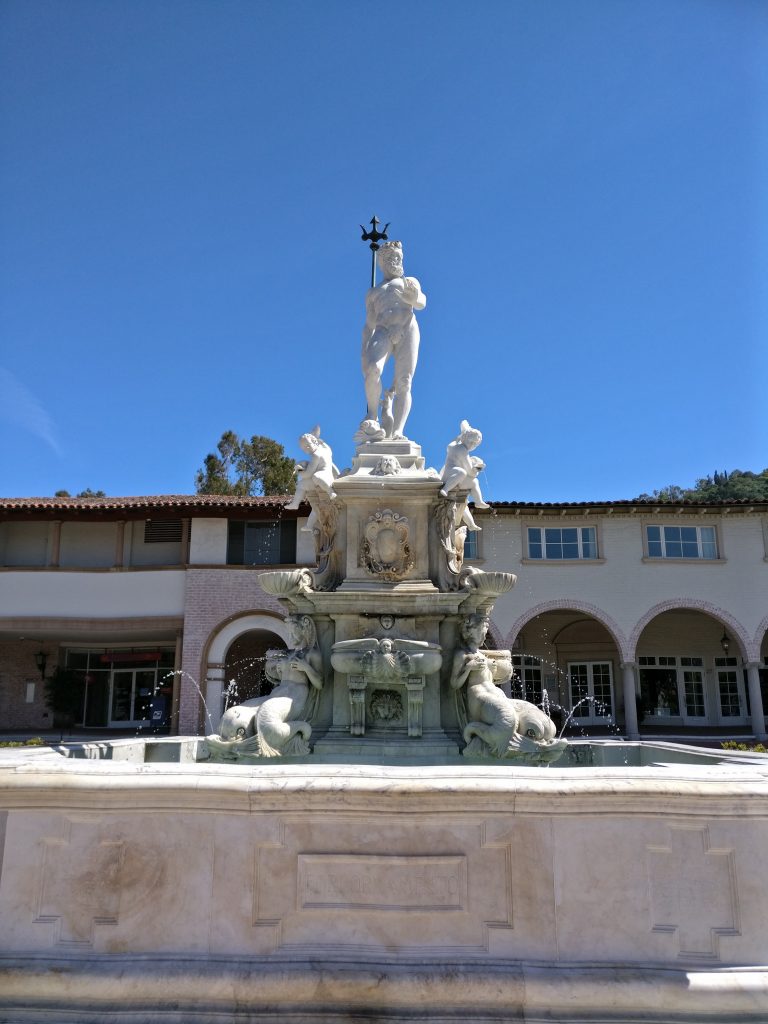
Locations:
{"points": [[374, 236]]}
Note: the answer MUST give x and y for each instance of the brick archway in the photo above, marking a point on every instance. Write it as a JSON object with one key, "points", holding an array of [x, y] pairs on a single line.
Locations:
{"points": [[571, 605], [694, 604]]}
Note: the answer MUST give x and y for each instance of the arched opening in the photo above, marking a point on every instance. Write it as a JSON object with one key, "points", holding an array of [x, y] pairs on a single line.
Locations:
{"points": [[572, 656], [244, 665], [691, 674], [269, 631]]}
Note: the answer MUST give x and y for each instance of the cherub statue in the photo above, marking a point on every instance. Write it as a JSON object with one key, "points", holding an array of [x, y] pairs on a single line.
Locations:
{"points": [[497, 725], [318, 472], [275, 725], [461, 469]]}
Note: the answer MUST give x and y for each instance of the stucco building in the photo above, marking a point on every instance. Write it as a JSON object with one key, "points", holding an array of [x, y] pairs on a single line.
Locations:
{"points": [[655, 616]]}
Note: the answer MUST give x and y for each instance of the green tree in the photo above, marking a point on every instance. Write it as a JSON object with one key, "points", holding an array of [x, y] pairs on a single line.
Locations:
{"points": [[87, 493], [258, 466], [736, 485]]}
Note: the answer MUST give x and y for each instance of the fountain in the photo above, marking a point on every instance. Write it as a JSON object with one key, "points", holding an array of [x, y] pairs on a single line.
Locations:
{"points": [[385, 835]]}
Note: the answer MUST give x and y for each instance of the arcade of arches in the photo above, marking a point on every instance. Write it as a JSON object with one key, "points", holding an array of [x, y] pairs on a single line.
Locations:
{"points": [[687, 670]]}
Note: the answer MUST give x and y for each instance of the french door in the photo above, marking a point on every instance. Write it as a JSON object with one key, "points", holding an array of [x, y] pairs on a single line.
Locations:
{"points": [[591, 690], [673, 687]]}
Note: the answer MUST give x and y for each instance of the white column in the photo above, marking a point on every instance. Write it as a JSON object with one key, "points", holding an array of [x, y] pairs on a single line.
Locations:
{"points": [[214, 691], [630, 700], [756, 700]]}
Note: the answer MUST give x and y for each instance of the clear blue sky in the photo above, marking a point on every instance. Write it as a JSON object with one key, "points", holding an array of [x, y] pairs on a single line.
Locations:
{"points": [[580, 187]]}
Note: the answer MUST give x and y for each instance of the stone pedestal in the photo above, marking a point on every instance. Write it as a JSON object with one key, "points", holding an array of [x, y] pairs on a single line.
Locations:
{"points": [[388, 457]]}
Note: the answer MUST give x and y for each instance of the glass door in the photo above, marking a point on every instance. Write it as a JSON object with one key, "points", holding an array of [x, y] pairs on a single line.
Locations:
{"points": [[591, 688], [730, 692], [673, 687], [691, 685], [131, 693]]}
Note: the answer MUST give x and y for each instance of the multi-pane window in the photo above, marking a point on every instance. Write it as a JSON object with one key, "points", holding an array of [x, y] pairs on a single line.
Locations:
{"points": [[562, 542], [470, 544], [526, 678], [681, 541]]}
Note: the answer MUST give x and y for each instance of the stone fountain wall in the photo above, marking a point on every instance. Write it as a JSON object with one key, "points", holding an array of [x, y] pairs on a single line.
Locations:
{"points": [[150, 893]]}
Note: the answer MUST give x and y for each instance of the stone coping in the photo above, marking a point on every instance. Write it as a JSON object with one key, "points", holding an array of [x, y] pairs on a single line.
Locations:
{"points": [[141, 990], [42, 777]]}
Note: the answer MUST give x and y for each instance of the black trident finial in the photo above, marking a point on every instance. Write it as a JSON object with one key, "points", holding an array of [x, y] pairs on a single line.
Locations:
{"points": [[374, 236]]}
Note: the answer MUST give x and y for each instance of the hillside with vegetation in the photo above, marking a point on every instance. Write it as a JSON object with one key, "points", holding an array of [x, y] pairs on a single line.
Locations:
{"points": [[736, 485]]}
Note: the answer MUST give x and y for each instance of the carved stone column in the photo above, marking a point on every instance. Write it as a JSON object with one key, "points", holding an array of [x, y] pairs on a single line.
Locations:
{"points": [[415, 687], [357, 686]]}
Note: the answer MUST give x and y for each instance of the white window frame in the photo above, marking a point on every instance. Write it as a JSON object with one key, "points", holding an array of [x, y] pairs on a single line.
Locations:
{"points": [[664, 541], [525, 668], [472, 536], [544, 526]]}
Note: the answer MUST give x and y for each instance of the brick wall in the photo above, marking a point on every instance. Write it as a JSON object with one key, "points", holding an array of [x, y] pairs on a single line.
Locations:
{"points": [[213, 596], [17, 668]]}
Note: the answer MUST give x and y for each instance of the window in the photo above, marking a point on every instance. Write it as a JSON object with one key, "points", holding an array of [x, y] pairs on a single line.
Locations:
{"points": [[262, 543], [562, 543], [526, 678], [470, 544], [681, 541]]}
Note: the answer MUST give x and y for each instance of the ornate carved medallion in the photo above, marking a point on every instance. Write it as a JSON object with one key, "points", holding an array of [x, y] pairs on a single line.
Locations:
{"points": [[385, 551]]}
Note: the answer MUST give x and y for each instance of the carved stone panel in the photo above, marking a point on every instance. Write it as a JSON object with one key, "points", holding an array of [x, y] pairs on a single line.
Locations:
{"points": [[426, 889], [80, 883], [693, 892]]}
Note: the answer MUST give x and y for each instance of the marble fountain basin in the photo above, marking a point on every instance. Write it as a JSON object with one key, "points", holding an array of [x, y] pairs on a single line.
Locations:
{"points": [[139, 884]]}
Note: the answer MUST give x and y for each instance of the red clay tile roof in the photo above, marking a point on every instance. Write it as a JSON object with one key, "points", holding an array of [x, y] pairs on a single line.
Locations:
{"points": [[165, 505], [204, 504]]}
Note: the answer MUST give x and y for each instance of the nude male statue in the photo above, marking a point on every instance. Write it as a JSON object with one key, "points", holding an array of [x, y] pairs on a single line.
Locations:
{"points": [[391, 330]]}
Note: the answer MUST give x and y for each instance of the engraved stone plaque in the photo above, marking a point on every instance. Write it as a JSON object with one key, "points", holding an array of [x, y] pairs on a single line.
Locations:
{"points": [[361, 882]]}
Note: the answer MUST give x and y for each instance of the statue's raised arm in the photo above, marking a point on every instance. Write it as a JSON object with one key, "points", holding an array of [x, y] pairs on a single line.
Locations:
{"points": [[391, 330]]}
